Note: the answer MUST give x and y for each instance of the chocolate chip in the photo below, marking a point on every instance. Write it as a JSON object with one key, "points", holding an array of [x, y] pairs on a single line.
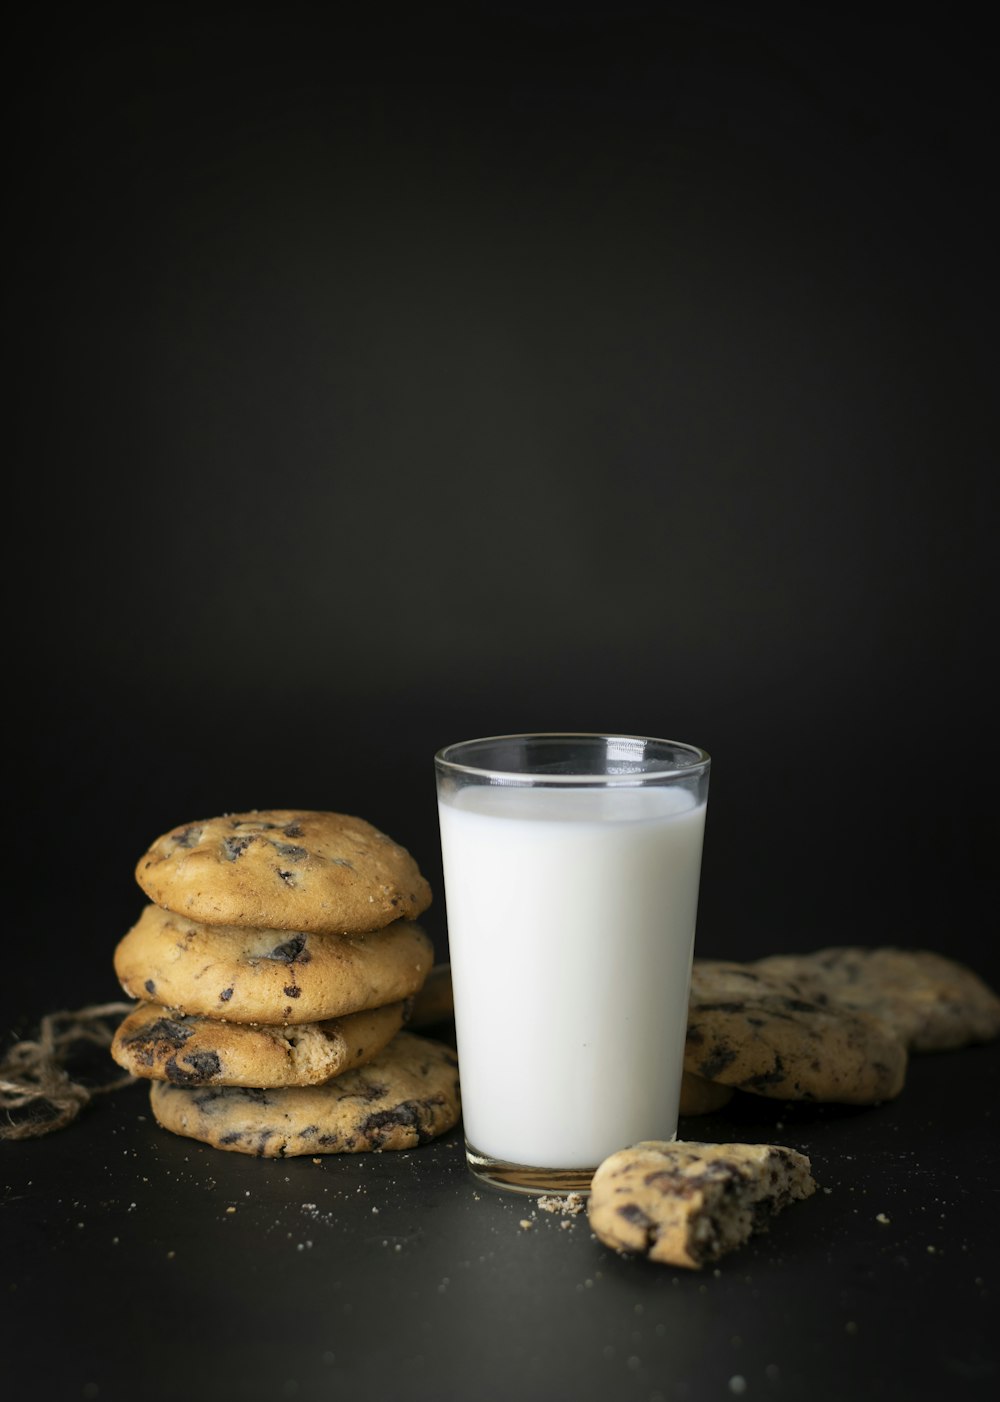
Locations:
{"points": [[293, 829], [288, 951], [292, 992], [165, 1030], [716, 1061], [290, 852], [371, 1090], [378, 1126], [150, 1043], [290, 878], [674, 1184], [234, 847], [767, 1078], [225, 995], [208, 1098], [632, 1212], [253, 1094], [201, 1067], [150, 987], [188, 837]]}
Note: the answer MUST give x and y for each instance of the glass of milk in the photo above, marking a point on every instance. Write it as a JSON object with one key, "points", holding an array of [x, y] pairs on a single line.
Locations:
{"points": [[571, 872]]}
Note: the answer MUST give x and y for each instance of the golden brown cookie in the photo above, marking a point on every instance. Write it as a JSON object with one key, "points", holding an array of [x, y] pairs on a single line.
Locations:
{"points": [[406, 1096], [701, 1097], [241, 974], [199, 1051], [930, 1002], [284, 869], [434, 1001], [761, 1032], [685, 1203]]}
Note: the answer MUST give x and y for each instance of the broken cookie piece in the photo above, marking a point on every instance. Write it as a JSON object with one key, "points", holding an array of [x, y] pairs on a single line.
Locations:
{"points": [[686, 1204]]}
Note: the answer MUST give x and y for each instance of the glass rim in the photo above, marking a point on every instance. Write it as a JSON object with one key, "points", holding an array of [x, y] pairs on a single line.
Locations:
{"points": [[700, 760]]}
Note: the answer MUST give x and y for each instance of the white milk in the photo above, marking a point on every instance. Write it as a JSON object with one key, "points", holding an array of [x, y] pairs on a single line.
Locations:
{"points": [[571, 918]]}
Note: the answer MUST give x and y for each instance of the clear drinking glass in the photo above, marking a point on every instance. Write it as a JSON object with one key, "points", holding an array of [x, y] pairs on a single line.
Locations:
{"points": [[571, 871]]}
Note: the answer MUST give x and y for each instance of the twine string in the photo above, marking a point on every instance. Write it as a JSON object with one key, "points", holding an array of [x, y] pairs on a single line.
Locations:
{"points": [[35, 1074]]}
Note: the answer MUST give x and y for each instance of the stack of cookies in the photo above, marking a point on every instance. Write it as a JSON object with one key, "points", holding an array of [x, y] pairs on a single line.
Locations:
{"points": [[275, 969]]}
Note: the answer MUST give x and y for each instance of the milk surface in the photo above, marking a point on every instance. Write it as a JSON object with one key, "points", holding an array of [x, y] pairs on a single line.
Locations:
{"points": [[571, 918]]}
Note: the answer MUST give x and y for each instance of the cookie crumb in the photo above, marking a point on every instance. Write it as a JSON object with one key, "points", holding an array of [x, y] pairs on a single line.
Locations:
{"points": [[881, 1217], [738, 1383], [569, 1206], [525, 1224]]}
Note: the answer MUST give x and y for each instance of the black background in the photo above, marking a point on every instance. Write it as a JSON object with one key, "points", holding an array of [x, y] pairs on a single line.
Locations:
{"points": [[381, 377], [384, 377]]}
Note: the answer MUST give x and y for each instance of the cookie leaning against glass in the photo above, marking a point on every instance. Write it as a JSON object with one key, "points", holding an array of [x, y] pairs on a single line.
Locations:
{"points": [[280, 952]]}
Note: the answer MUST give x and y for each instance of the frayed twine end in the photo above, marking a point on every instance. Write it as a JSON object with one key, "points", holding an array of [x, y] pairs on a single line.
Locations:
{"points": [[33, 1074]]}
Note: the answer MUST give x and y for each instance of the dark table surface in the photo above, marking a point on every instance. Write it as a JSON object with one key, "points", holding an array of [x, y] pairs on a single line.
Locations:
{"points": [[139, 1263]]}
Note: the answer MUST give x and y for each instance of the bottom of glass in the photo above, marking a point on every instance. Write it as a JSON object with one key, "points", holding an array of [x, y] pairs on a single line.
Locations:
{"points": [[522, 1178]]}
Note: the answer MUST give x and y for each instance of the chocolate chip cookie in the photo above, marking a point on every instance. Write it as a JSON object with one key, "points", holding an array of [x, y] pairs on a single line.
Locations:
{"points": [[701, 1097], [284, 869], [155, 1043], [405, 1096], [434, 1001], [273, 976], [761, 1032], [686, 1203], [930, 1002]]}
